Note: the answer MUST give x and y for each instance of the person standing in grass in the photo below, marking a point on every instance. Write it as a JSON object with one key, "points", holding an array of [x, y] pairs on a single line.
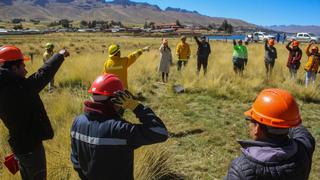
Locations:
{"points": [[183, 52], [294, 58], [312, 65], [203, 53], [165, 60], [22, 110], [281, 148], [46, 56], [270, 56], [102, 141], [118, 65], [284, 38], [240, 57]]}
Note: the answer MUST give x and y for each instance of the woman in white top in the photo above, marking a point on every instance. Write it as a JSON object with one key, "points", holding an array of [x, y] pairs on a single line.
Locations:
{"points": [[165, 60]]}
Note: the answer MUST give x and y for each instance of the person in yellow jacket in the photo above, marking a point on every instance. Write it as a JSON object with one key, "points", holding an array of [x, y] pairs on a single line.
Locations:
{"points": [[47, 55], [118, 65], [183, 52], [312, 65]]}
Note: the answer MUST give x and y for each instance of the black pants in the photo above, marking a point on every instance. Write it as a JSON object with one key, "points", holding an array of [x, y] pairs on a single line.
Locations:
{"points": [[238, 65], [202, 62], [33, 164], [269, 66], [180, 64]]}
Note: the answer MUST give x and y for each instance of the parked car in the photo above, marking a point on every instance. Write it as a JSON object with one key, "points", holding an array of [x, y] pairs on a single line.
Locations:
{"points": [[305, 37], [260, 36]]}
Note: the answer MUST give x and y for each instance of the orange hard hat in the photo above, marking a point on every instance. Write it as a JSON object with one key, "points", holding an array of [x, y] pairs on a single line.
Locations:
{"points": [[275, 108], [106, 85], [11, 53], [271, 42], [295, 43]]}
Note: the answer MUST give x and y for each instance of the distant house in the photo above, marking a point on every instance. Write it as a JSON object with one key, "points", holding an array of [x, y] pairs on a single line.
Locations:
{"points": [[166, 26]]}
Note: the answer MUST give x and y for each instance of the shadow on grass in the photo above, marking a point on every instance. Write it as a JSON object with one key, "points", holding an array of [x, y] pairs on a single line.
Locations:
{"points": [[186, 133]]}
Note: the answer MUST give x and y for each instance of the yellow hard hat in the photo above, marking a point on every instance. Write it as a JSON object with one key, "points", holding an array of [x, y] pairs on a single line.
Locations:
{"points": [[49, 46], [113, 49]]}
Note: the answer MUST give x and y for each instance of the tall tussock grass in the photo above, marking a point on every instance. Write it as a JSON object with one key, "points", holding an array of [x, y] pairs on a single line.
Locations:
{"points": [[206, 103]]}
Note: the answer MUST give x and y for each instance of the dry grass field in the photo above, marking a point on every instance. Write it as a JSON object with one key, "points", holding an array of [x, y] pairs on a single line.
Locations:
{"points": [[204, 122]]}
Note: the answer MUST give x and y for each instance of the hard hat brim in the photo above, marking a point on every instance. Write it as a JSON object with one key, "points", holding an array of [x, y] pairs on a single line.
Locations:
{"points": [[111, 55]]}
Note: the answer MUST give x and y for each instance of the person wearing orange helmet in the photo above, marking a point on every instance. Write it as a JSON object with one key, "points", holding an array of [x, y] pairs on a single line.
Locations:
{"points": [[22, 110], [270, 56], [312, 65], [294, 58], [281, 147], [102, 142]]}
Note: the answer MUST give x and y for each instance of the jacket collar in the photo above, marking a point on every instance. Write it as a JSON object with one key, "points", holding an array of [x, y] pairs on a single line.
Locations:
{"points": [[271, 151]]}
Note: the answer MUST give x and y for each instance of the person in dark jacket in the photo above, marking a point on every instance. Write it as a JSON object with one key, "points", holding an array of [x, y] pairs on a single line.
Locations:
{"points": [[270, 56], [203, 53], [22, 110], [294, 58], [281, 147], [102, 142]]}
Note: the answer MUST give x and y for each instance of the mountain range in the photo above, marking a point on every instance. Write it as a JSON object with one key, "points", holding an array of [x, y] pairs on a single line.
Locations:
{"points": [[295, 28], [125, 11]]}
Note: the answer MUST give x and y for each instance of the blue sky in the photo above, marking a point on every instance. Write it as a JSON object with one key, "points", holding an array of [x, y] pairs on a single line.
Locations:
{"points": [[260, 12]]}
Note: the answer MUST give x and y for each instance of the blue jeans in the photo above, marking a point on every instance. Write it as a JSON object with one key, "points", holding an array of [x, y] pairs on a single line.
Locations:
{"points": [[33, 164], [310, 76]]}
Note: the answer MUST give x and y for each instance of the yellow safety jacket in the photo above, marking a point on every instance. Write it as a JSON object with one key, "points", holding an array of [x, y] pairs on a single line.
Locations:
{"points": [[119, 66], [183, 51], [313, 61], [47, 55]]}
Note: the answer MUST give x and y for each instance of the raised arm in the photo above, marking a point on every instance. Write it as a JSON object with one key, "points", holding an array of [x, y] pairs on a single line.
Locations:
{"points": [[150, 131], [44, 75], [197, 40], [234, 42], [288, 46], [308, 50], [134, 56]]}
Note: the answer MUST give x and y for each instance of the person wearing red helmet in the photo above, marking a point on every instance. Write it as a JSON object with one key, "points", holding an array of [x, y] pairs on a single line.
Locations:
{"points": [[294, 58], [102, 142], [281, 147], [312, 65], [22, 110]]}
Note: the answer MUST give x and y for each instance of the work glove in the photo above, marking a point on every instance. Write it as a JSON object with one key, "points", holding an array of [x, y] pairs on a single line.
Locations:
{"points": [[147, 48], [64, 52], [125, 100]]}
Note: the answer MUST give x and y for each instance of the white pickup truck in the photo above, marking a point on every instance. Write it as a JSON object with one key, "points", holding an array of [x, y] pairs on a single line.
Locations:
{"points": [[260, 36], [306, 37]]}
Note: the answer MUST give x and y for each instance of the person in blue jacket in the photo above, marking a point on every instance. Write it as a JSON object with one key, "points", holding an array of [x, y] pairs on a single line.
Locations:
{"points": [[102, 142]]}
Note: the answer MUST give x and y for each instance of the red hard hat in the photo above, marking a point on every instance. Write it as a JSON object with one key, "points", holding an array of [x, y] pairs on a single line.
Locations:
{"points": [[106, 85], [11, 53], [295, 43], [276, 108]]}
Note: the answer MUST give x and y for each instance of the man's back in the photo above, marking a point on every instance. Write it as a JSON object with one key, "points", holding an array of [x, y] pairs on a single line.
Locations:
{"points": [[103, 145]]}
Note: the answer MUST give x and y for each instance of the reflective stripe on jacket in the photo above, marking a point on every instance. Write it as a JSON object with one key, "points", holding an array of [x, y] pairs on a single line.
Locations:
{"points": [[103, 147]]}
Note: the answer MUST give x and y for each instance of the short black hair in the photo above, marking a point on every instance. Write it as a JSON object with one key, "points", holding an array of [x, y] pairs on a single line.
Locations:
{"points": [[10, 64], [266, 130]]}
